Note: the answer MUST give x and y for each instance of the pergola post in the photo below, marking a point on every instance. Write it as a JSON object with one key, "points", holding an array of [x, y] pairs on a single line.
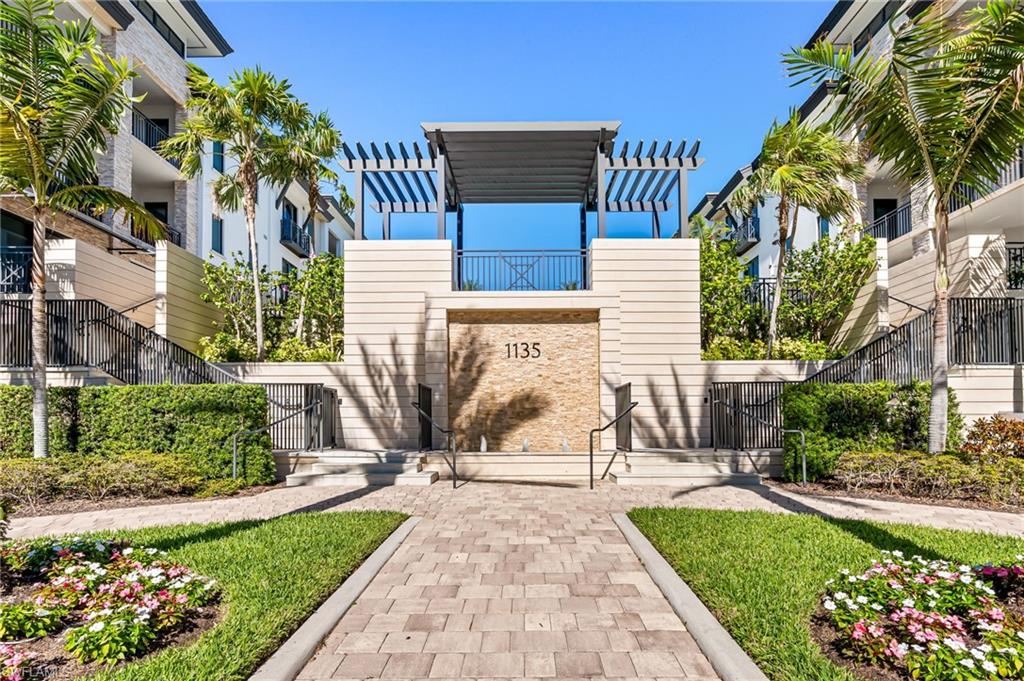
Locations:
{"points": [[681, 202], [359, 206], [602, 195], [458, 245], [442, 203], [583, 245], [386, 227]]}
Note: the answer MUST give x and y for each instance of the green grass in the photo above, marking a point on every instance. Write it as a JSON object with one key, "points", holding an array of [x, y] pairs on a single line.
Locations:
{"points": [[762, 574], [272, 574]]}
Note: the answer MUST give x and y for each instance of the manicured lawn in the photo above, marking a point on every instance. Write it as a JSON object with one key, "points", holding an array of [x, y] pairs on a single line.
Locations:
{"points": [[273, 574], [763, 574]]}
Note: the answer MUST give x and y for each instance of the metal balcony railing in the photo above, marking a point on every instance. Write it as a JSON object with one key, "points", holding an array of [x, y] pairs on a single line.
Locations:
{"points": [[15, 269], [892, 225], [1015, 267], [295, 238], [746, 234], [1013, 172], [554, 270], [170, 234], [149, 133]]}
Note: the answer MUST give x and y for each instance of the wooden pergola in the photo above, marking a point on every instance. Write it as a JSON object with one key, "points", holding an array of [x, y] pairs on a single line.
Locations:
{"points": [[540, 162]]}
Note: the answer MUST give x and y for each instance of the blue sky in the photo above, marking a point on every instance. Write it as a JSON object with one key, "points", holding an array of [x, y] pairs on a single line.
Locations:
{"points": [[666, 70]]}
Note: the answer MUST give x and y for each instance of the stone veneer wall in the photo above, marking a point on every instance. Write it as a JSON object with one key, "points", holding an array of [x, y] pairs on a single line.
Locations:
{"points": [[520, 377]]}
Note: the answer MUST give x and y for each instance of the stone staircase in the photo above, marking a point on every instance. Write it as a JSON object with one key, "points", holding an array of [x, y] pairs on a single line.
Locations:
{"points": [[685, 468], [350, 468]]}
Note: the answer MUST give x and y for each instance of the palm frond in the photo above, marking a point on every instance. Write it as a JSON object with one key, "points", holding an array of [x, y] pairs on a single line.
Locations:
{"points": [[97, 199]]}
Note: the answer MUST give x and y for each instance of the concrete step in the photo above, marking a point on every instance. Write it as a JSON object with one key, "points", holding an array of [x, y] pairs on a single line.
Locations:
{"points": [[367, 457], [687, 468], [415, 478], [683, 479], [334, 466], [523, 466]]}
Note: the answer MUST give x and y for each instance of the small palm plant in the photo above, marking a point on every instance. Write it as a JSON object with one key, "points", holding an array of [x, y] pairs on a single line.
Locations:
{"points": [[944, 109], [253, 116], [61, 96], [804, 167]]}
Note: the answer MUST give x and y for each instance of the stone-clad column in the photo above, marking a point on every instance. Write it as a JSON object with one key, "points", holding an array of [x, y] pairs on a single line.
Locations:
{"points": [[114, 167]]}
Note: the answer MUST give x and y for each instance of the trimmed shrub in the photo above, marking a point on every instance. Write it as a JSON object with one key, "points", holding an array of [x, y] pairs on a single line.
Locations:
{"points": [[995, 438], [943, 476], [842, 417], [193, 420], [727, 348]]}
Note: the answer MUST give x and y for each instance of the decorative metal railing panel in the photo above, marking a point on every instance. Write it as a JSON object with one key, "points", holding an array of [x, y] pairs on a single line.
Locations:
{"points": [[15, 269], [892, 225], [295, 238], [746, 234], [903, 355], [314, 408], [965, 195], [1015, 267], [746, 414], [170, 234], [761, 292], [557, 270]]}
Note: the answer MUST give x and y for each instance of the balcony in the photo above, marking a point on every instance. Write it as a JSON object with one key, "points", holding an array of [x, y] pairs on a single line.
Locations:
{"points": [[170, 234], [15, 269], [746, 234], [295, 238], [1015, 267], [965, 196], [892, 225], [555, 270], [149, 133]]}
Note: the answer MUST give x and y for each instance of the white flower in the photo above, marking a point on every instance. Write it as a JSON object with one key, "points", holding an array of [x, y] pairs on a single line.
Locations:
{"points": [[128, 551], [967, 662], [97, 626], [851, 579], [841, 596], [898, 554], [863, 600], [977, 654], [985, 647], [908, 602], [40, 612], [989, 667], [966, 579], [100, 546], [829, 605], [876, 607], [151, 551], [954, 644]]}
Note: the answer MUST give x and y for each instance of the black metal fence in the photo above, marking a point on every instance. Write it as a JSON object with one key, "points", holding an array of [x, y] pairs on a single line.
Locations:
{"points": [[746, 415], [303, 414], [761, 292], [295, 237], [15, 269], [892, 225], [965, 195], [986, 330], [903, 355], [149, 133], [555, 270]]}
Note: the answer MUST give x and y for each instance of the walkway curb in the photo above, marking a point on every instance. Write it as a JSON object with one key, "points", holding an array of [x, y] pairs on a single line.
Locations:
{"points": [[729, 660], [294, 653]]}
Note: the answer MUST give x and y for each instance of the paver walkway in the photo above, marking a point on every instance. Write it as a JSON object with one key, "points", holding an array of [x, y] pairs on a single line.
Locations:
{"points": [[512, 581]]}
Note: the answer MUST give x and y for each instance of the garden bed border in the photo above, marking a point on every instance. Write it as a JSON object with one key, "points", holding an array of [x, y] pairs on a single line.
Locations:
{"points": [[286, 663], [726, 656]]}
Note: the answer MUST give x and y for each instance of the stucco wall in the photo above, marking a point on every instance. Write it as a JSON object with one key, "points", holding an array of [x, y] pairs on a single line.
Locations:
{"points": [[869, 315]]}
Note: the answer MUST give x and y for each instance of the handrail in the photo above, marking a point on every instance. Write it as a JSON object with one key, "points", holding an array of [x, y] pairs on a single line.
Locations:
{"points": [[595, 431], [909, 304], [450, 436], [263, 429], [803, 437]]}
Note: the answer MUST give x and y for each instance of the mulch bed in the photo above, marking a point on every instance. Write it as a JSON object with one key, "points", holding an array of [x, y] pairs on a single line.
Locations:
{"points": [[57, 664], [62, 506], [824, 489]]}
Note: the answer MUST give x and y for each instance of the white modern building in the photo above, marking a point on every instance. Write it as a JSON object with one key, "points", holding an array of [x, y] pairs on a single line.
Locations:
{"points": [[285, 237]]}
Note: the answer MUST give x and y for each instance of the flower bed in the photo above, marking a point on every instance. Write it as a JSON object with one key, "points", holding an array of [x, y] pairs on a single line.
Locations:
{"points": [[928, 619], [84, 603]]}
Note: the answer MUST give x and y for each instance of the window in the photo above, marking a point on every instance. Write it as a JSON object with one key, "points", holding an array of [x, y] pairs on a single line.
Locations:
{"points": [[290, 213], [149, 12], [753, 270], [218, 156], [287, 267], [822, 227], [217, 236]]}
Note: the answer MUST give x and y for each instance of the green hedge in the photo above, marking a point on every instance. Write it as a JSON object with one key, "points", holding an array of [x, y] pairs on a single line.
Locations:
{"points": [[843, 417], [195, 420]]}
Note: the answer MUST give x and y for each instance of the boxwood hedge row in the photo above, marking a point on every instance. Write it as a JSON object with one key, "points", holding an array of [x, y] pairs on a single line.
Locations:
{"points": [[196, 420]]}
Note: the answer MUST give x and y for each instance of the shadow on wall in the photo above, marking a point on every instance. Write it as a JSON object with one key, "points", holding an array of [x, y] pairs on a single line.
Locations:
{"points": [[654, 423], [486, 413], [987, 273]]}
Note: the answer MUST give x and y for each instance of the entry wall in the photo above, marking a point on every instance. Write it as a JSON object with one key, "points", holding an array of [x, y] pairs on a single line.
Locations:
{"points": [[181, 314]]}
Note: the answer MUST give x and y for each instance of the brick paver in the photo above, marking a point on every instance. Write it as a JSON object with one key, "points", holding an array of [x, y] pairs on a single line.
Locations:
{"points": [[511, 580]]}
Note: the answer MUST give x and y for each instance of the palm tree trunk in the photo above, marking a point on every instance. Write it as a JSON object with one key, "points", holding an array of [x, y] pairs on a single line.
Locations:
{"points": [[40, 349], [938, 414], [780, 269], [250, 222]]}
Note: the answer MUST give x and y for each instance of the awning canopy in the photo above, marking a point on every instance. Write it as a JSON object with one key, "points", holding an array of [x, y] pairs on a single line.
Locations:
{"points": [[519, 162]]}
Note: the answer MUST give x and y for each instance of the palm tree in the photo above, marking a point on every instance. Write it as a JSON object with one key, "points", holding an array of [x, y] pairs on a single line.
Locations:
{"points": [[803, 167], [61, 96], [306, 153], [251, 116], [944, 110]]}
